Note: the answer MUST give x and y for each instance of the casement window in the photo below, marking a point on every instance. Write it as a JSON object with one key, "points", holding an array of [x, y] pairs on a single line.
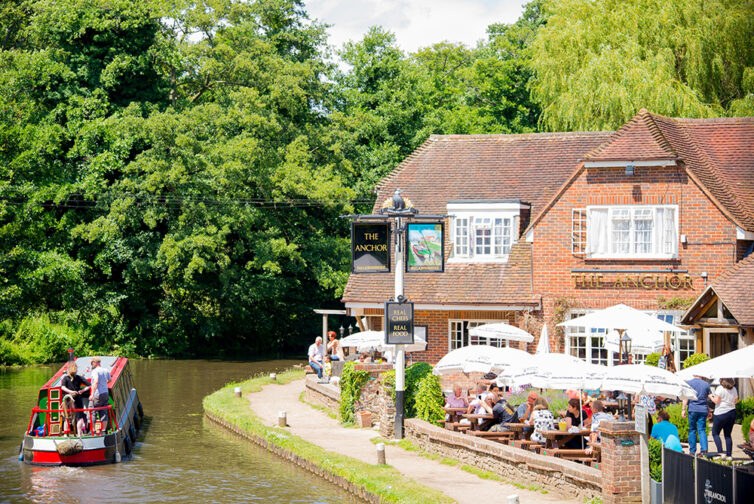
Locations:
{"points": [[482, 238], [684, 343], [458, 334], [641, 231]]}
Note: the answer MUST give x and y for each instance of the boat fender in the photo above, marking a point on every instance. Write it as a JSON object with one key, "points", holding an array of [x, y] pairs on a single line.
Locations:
{"points": [[141, 410], [126, 445], [137, 421], [69, 447], [21, 452], [117, 456], [132, 432]]}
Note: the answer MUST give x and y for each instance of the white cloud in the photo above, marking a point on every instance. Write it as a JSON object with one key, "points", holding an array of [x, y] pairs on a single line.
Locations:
{"points": [[416, 23]]}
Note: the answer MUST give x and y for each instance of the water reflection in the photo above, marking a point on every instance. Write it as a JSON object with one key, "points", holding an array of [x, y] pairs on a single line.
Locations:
{"points": [[179, 458]]}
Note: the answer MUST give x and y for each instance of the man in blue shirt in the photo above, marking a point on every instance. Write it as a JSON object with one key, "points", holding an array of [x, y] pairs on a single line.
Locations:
{"points": [[663, 428], [697, 414]]}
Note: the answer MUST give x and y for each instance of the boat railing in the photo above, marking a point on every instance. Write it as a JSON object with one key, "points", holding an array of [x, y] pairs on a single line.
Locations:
{"points": [[68, 418]]}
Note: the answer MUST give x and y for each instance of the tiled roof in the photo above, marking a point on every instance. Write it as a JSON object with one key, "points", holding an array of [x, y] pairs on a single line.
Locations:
{"points": [[640, 139], [507, 284], [717, 154], [527, 167], [734, 288]]}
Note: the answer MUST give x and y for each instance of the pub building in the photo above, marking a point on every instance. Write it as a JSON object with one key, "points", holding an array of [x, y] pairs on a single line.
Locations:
{"points": [[544, 227]]}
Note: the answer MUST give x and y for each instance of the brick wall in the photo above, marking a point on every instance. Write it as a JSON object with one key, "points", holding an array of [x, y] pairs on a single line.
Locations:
{"points": [[711, 240]]}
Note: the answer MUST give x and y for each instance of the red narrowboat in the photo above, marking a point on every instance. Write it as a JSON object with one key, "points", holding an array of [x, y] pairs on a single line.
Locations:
{"points": [[56, 434]]}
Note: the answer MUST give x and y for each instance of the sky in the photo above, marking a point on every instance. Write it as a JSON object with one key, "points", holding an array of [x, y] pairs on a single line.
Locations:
{"points": [[416, 23]]}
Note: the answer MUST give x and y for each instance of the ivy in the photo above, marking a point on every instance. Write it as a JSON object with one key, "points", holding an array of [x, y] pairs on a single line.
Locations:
{"points": [[655, 459], [430, 400], [351, 383], [414, 374]]}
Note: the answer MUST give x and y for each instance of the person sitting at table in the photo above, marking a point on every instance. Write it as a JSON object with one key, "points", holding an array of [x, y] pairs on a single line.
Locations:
{"points": [[541, 419], [586, 404], [663, 428], [501, 412], [525, 409], [456, 400], [598, 416], [576, 418]]}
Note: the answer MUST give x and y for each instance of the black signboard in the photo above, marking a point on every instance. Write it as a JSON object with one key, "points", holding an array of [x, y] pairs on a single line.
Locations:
{"points": [[425, 249], [714, 483], [399, 323], [370, 247], [678, 477], [744, 485]]}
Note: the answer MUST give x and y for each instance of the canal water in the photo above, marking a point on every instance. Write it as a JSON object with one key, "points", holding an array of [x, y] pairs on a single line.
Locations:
{"points": [[179, 457]]}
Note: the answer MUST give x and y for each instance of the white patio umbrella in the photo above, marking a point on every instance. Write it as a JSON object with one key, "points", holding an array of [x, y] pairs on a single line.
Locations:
{"points": [[543, 346], [554, 371], [645, 330], [736, 364], [639, 378], [366, 341], [501, 331], [479, 359]]}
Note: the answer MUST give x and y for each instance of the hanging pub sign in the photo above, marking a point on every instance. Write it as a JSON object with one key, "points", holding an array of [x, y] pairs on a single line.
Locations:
{"points": [[399, 323], [425, 251], [370, 247]]}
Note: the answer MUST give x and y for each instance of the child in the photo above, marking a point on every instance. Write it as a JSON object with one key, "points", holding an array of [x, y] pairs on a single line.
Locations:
{"points": [[327, 369]]}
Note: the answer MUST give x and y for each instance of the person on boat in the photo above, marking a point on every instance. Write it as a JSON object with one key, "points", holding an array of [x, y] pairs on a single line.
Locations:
{"points": [[71, 385], [99, 393]]}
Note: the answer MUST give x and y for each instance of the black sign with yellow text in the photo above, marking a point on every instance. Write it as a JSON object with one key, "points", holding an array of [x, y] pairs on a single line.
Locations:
{"points": [[370, 247], [399, 323]]}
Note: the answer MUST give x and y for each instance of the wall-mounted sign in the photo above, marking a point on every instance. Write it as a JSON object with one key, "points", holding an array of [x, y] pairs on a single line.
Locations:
{"points": [[649, 281], [399, 323], [370, 247], [424, 247], [640, 418]]}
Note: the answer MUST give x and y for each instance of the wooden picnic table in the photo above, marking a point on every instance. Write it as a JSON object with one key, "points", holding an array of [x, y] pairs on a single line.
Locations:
{"points": [[474, 419], [558, 438], [455, 413], [520, 430]]}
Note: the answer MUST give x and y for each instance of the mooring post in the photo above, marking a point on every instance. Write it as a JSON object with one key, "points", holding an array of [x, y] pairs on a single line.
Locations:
{"points": [[381, 453], [237, 391], [273, 376], [282, 419]]}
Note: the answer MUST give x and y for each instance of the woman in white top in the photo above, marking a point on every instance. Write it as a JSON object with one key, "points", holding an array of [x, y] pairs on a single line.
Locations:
{"points": [[725, 398], [541, 419]]}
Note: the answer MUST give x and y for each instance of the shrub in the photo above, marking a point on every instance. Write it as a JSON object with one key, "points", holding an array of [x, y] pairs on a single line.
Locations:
{"points": [[674, 410], [414, 374], [652, 359], [695, 359], [744, 408], [655, 459], [351, 383], [745, 427], [430, 399]]}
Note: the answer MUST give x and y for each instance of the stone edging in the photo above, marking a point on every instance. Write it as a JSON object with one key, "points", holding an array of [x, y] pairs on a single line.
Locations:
{"points": [[340, 481]]}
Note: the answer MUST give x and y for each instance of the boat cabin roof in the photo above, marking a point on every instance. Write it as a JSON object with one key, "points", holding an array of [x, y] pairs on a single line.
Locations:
{"points": [[84, 364]]}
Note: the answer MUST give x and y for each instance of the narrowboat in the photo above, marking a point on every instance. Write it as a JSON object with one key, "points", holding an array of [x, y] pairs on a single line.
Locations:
{"points": [[52, 437]]}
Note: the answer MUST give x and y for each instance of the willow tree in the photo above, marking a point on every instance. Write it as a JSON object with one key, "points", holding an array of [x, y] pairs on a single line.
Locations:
{"points": [[597, 62]]}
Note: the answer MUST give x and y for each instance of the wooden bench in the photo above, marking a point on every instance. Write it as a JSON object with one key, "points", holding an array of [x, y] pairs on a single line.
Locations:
{"points": [[495, 436], [572, 454], [457, 426], [525, 444]]}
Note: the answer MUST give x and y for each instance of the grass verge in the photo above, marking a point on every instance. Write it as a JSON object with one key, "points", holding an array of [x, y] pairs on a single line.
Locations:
{"points": [[384, 481]]}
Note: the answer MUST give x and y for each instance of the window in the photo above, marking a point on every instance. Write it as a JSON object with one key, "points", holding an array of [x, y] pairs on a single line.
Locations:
{"points": [[459, 334], [491, 237], [578, 231], [587, 345], [684, 344], [632, 231]]}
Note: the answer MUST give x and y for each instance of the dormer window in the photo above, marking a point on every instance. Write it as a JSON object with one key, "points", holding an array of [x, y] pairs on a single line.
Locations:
{"points": [[483, 231]]}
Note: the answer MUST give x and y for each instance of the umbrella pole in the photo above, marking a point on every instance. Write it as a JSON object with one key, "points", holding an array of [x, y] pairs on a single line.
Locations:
{"points": [[581, 409]]}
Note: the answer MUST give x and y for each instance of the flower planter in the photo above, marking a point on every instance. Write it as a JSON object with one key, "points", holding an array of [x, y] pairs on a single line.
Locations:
{"points": [[364, 419], [655, 491]]}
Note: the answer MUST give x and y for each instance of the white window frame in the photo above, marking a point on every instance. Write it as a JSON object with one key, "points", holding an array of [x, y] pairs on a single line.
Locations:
{"points": [[478, 217], [469, 324], [656, 253]]}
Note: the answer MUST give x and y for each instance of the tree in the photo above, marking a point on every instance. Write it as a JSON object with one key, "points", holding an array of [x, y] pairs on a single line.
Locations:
{"points": [[597, 62]]}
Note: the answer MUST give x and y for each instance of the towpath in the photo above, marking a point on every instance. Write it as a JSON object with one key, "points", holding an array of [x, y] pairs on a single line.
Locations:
{"points": [[316, 427]]}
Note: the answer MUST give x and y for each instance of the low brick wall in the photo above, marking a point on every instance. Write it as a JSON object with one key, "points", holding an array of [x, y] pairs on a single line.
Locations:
{"points": [[357, 490], [322, 394], [563, 476]]}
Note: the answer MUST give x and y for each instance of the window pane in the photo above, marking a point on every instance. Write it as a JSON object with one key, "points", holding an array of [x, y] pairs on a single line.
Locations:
{"points": [[621, 231], [643, 220], [462, 237], [483, 236]]}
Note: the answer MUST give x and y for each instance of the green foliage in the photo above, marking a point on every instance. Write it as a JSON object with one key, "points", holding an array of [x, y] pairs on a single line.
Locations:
{"points": [[351, 383], [744, 408], [597, 62], [652, 359], [655, 459], [746, 427], [430, 400], [695, 359], [414, 375], [675, 303]]}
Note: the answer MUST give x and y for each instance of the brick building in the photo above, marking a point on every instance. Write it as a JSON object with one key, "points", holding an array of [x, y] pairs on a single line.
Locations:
{"points": [[545, 227]]}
